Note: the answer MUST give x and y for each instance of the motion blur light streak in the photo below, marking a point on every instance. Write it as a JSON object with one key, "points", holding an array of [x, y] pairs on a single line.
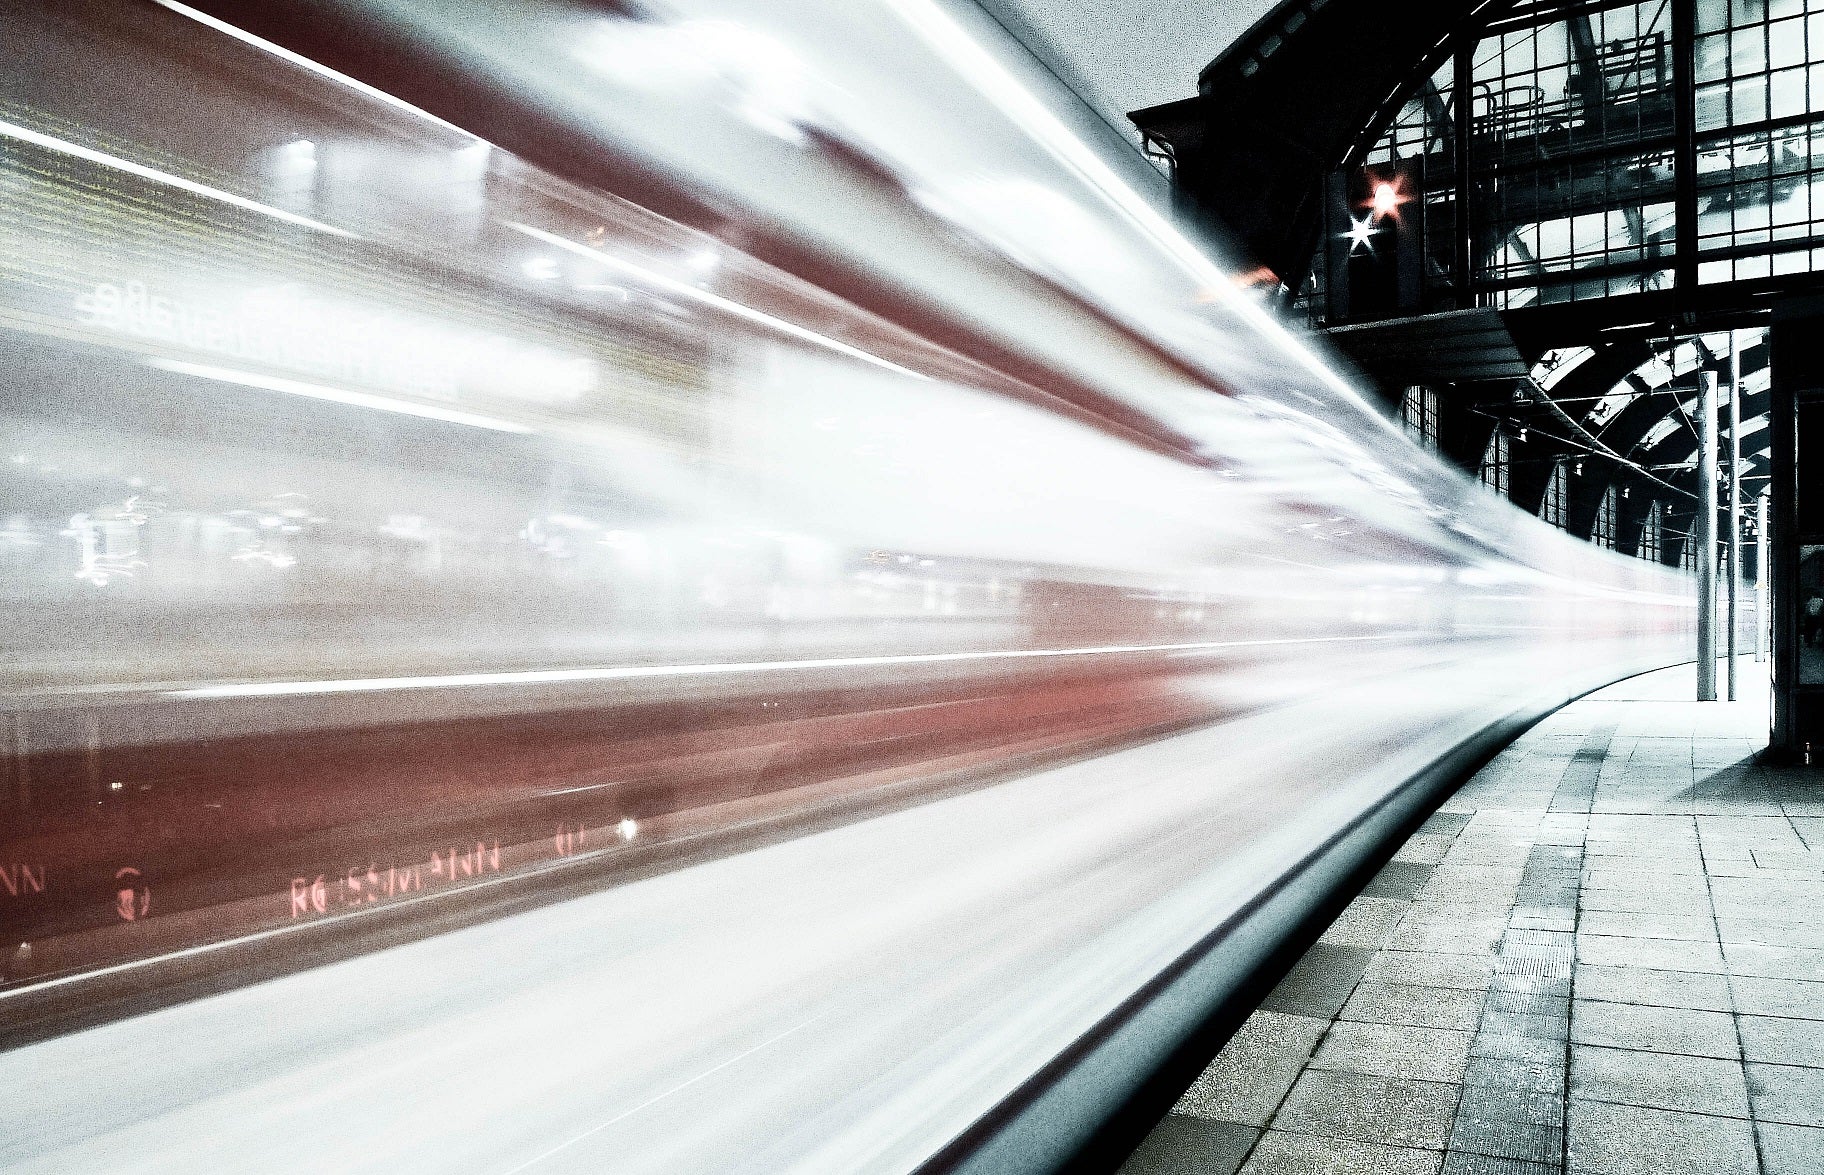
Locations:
{"points": [[115, 163], [321, 70], [697, 294], [292, 387], [656, 1098], [981, 68], [280, 689]]}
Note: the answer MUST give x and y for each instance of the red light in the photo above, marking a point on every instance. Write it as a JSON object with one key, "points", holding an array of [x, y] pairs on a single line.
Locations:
{"points": [[1386, 199]]}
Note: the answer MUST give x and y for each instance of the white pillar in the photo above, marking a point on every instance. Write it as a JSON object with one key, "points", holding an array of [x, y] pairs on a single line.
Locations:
{"points": [[1703, 536], [1763, 619], [1733, 538]]}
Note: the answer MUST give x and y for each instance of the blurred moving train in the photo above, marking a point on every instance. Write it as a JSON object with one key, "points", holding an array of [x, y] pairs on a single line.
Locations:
{"points": [[442, 447]]}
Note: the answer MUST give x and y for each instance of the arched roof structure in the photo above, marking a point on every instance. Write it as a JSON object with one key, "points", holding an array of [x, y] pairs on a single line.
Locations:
{"points": [[1611, 194]]}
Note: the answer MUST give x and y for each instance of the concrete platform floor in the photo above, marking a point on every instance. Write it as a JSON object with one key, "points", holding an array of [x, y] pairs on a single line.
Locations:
{"points": [[1604, 954]]}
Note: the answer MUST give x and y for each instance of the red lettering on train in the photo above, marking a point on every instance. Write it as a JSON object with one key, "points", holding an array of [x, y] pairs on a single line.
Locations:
{"points": [[308, 895], [20, 879], [133, 900], [361, 885]]}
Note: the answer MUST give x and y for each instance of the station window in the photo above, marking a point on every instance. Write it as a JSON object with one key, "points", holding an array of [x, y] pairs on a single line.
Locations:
{"points": [[1494, 470], [1419, 413], [1649, 535], [1552, 509], [1603, 534]]}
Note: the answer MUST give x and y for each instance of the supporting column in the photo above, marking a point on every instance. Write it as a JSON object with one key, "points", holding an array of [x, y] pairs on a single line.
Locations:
{"points": [[1734, 536], [1763, 609], [1703, 536], [1796, 355], [1463, 252]]}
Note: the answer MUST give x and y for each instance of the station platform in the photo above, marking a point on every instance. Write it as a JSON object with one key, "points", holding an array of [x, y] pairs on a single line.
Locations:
{"points": [[1605, 953]]}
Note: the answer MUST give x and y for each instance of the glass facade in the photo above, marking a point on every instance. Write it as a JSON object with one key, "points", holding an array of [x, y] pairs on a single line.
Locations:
{"points": [[1572, 122], [1573, 159], [1670, 152]]}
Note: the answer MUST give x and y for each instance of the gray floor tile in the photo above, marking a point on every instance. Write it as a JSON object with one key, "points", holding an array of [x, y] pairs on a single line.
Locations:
{"points": [[1811, 829], [1319, 984], [1634, 924], [1645, 900], [1700, 1085], [1599, 879], [1469, 1163], [1540, 917], [1538, 1050], [1796, 998], [1540, 1025], [1448, 938], [1787, 1093], [1182, 1145], [1508, 980], [1662, 954], [1794, 887], [1365, 922], [1781, 1042], [1466, 972], [1535, 999], [1394, 1050], [1800, 859], [1772, 931], [1633, 1140], [1282, 1152], [1399, 880], [1405, 1003], [1518, 1075], [1646, 985], [1775, 962], [1254, 1070], [1445, 824], [1357, 1106], [1661, 1030], [1791, 1150], [1628, 866], [1510, 1123], [1423, 850], [1506, 1138], [1514, 1105]]}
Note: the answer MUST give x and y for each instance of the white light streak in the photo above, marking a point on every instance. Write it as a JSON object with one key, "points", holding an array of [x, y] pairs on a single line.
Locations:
{"points": [[116, 163], [657, 1098], [299, 60], [292, 387], [682, 289], [292, 689], [952, 42]]}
